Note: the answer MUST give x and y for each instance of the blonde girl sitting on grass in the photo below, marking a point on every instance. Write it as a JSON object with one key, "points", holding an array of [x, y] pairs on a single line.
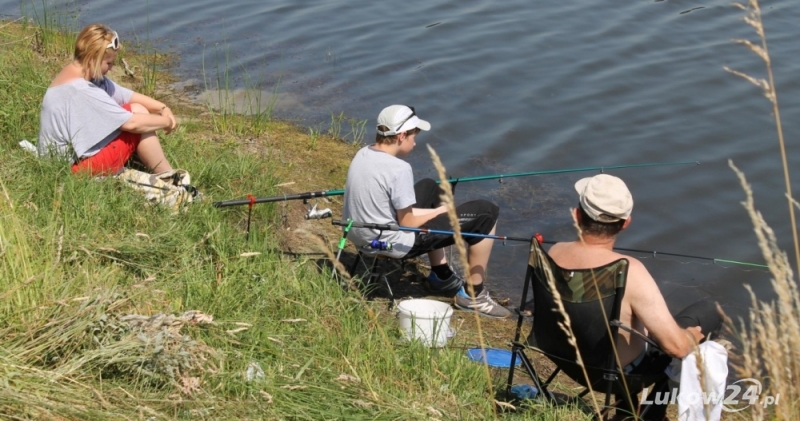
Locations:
{"points": [[95, 122]]}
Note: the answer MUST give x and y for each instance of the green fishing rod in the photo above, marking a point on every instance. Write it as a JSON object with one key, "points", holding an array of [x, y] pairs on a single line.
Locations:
{"points": [[327, 193], [394, 227], [688, 256]]}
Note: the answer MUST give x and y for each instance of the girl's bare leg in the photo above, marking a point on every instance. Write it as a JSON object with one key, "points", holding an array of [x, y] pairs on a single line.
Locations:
{"points": [[150, 153], [149, 150]]}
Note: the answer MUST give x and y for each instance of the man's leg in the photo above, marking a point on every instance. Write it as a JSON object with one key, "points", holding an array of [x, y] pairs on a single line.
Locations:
{"points": [[479, 217], [479, 258], [702, 313], [428, 192], [656, 392], [650, 371]]}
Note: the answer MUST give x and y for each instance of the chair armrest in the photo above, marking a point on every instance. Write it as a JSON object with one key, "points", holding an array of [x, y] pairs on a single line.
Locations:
{"points": [[631, 330]]}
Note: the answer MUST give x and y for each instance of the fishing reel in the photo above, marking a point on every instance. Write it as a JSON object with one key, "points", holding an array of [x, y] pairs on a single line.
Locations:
{"points": [[379, 245], [313, 213]]}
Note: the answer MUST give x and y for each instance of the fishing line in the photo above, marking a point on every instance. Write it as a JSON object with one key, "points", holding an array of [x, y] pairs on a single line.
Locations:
{"points": [[339, 192], [655, 254]]}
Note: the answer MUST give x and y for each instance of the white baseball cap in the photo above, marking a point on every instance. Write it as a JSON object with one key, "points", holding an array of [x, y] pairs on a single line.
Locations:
{"points": [[605, 198], [399, 119]]}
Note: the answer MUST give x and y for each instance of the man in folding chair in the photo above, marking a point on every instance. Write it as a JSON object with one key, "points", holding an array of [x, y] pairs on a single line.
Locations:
{"points": [[380, 189], [604, 211]]}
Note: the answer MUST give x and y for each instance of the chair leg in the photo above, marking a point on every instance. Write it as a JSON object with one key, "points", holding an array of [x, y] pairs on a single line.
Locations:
{"points": [[373, 274], [357, 260], [377, 274], [518, 352], [389, 289]]}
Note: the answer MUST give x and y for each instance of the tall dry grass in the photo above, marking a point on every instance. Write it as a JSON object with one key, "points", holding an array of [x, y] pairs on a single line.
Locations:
{"points": [[771, 342], [753, 18], [566, 326], [605, 317], [449, 201]]}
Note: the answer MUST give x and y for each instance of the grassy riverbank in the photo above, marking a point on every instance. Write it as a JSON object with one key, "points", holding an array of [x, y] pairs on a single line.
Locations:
{"points": [[247, 329]]}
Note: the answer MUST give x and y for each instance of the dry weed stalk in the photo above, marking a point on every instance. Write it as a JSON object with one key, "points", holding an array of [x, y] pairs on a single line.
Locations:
{"points": [[701, 377], [753, 18], [566, 326], [321, 246], [449, 201], [605, 317], [771, 346]]}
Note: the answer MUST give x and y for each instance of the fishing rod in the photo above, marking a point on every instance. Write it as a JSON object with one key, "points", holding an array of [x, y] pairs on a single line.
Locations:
{"points": [[395, 227], [339, 192], [298, 196], [545, 172], [688, 256]]}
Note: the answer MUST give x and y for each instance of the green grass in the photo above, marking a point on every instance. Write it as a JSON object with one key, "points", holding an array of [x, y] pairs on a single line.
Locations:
{"points": [[52, 20], [95, 287], [357, 128]]}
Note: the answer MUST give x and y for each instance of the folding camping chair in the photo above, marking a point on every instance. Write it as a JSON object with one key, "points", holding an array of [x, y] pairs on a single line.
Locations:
{"points": [[375, 270], [592, 298]]}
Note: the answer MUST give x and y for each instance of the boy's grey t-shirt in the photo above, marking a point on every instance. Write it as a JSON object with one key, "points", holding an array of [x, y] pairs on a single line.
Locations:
{"points": [[378, 184], [82, 116]]}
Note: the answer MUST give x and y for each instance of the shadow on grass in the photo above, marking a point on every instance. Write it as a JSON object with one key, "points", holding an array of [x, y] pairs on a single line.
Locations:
{"points": [[403, 276]]}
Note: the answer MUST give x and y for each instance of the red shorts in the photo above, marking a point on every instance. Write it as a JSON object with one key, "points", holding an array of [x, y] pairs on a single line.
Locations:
{"points": [[113, 156]]}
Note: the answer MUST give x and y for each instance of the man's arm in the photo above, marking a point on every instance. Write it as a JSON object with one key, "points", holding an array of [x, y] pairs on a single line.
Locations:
{"points": [[416, 217], [649, 307]]}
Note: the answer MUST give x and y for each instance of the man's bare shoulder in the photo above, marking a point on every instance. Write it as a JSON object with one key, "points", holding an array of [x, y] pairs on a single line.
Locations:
{"points": [[640, 283], [576, 255], [634, 264]]}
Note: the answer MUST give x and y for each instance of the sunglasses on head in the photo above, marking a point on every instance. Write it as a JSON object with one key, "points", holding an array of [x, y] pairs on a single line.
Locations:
{"points": [[413, 113], [114, 42]]}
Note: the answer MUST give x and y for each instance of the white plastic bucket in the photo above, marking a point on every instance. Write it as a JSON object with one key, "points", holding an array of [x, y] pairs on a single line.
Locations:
{"points": [[425, 320]]}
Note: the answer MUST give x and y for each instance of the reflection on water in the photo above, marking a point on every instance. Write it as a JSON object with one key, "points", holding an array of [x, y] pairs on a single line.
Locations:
{"points": [[517, 86]]}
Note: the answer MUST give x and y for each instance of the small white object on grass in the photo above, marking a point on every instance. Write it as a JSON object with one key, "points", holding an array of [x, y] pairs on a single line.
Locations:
{"points": [[28, 146]]}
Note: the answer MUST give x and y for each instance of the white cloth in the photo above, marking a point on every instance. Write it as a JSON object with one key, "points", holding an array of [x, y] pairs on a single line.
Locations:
{"points": [[693, 399]]}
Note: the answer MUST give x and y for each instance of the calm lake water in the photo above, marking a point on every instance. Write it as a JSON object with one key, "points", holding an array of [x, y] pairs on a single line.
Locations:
{"points": [[516, 86]]}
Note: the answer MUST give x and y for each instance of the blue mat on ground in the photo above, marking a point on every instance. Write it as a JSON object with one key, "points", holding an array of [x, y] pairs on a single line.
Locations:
{"points": [[494, 357]]}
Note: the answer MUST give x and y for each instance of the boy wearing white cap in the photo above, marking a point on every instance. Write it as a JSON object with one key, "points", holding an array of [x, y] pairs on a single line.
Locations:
{"points": [[604, 211], [380, 189]]}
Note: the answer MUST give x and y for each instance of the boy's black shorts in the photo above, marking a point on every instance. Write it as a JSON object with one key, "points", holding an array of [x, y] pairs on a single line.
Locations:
{"points": [[477, 217]]}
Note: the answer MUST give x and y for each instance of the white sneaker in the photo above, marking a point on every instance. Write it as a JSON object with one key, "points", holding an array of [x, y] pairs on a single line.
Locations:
{"points": [[483, 304]]}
